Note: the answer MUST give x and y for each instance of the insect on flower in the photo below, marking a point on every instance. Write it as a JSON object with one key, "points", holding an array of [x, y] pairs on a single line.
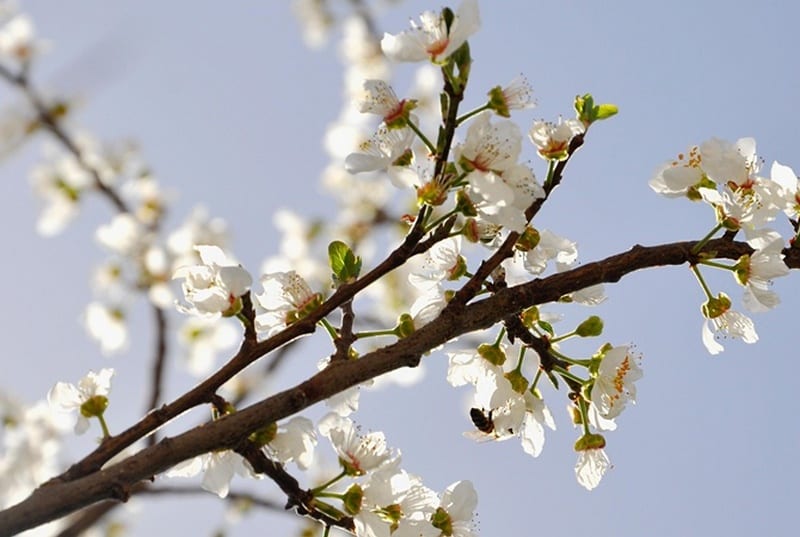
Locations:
{"points": [[482, 420]]}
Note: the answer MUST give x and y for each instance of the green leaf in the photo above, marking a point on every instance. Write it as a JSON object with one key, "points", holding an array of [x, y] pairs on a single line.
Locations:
{"points": [[547, 327], [605, 111], [345, 265]]}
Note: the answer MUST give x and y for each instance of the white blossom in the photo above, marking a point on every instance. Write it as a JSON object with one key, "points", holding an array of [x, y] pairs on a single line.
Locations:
{"points": [[430, 39], [613, 385], [66, 397], [213, 287]]}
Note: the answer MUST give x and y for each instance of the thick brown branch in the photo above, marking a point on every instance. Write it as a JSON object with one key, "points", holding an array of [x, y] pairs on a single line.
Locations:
{"points": [[59, 498]]}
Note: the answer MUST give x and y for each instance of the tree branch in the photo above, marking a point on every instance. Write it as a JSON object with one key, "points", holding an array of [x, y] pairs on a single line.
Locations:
{"points": [[60, 497]]}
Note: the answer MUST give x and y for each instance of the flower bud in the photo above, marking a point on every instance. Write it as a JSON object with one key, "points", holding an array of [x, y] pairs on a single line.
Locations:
{"points": [[590, 441], [591, 327], [353, 499], [716, 306], [492, 353], [405, 326], [528, 240], [518, 381], [530, 316], [265, 435], [94, 406]]}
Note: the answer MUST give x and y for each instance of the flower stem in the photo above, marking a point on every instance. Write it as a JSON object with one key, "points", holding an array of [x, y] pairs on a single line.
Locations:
{"points": [[702, 242], [702, 281], [551, 168], [103, 426], [566, 374], [422, 137], [520, 359], [562, 337], [329, 328], [468, 115], [439, 220], [316, 491], [718, 265], [584, 408], [375, 333], [500, 336], [572, 361]]}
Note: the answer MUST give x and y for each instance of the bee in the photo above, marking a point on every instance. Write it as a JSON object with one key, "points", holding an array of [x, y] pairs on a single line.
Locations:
{"points": [[482, 420]]}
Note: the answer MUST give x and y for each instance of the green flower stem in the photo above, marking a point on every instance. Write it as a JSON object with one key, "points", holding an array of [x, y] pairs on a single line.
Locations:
{"points": [[334, 495], [566, 374], [439, 220], [562, 337], [329, 328], [572, 361], [699, 246], [500, 336], [702, 281], [245, 321], [521, 358], [329, 510], [103, 426], [326, 532], [468, 115], [718, 265], [375, 333], [584, 408], [317, 490], [422, 137], [536, 380], [551, 168]]}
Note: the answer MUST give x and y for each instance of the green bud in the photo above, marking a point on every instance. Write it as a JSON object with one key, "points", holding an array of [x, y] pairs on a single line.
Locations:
{"points": [[518, 381], [441, 521], [492, 353], [497, 102], [405, 160], [265, 435], [741, 269], [353, 499], [458, 270], [94, 406], [715, 307], [464, 204], [591, 327], [590, 441], [528, 240], [530, 316], [588, 112], [234, 308], [405, 326]]}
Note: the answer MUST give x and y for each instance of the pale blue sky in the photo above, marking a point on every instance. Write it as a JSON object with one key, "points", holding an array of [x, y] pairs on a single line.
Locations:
{"points": [[229, 108]]}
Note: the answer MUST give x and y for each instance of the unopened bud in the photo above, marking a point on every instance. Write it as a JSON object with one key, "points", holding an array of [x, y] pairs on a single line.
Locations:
{"points": [[492, 353], [591, 327], [590, 441]]}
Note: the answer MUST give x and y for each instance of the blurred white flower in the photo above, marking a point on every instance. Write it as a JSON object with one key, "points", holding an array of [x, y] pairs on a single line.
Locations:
{"points": [[106, 325], [89, 397]]}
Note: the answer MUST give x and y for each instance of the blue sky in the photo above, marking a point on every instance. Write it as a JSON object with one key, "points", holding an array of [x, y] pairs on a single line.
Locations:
{"points": [[229, 109]]}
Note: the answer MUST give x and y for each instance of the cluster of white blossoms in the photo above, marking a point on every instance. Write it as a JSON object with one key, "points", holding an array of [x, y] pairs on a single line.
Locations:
{"points": [[726, 176], [385, 499], [506, 404]]}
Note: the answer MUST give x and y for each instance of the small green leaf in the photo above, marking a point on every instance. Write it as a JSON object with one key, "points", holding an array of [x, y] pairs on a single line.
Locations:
{"points": [[345, 265], [547, 327], [605, 111]]}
